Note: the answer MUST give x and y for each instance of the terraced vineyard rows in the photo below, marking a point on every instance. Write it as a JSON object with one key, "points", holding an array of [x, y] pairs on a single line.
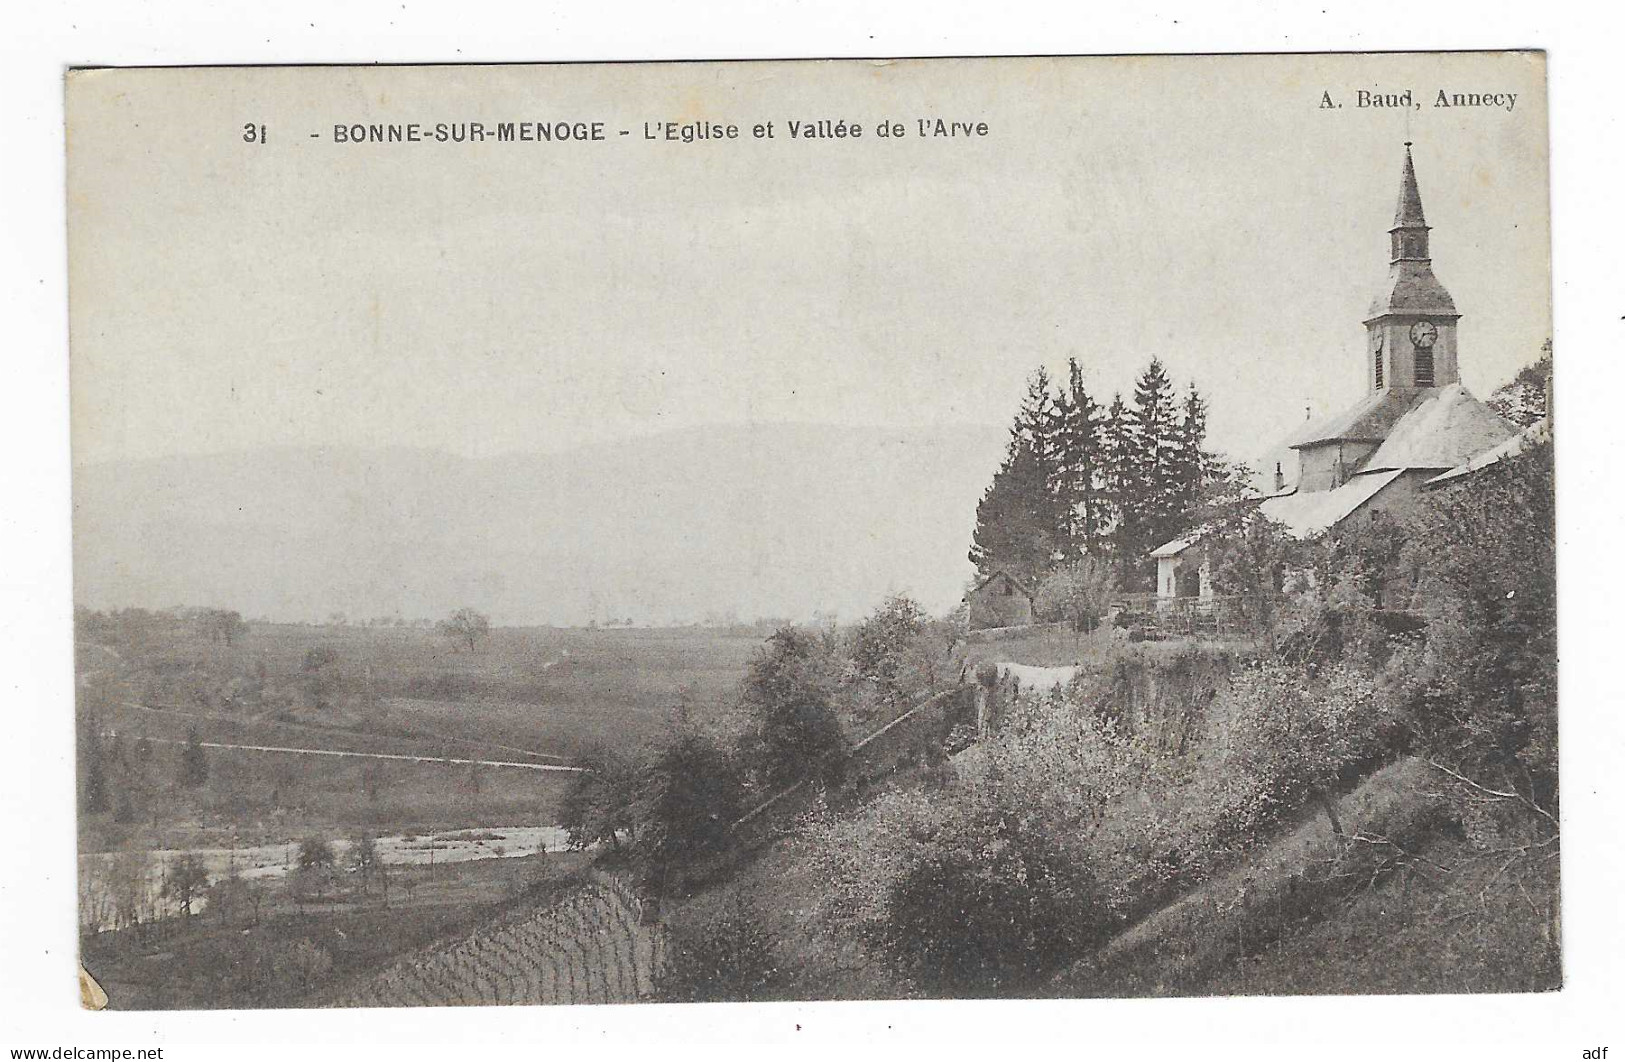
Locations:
{"points": [[589, 946]]}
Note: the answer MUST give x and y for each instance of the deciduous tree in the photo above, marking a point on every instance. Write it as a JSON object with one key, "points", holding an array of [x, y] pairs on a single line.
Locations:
{"points": [[466, 626], [881, 646], [184, 882], [363, 860], [688, 797], [1488, 709], [598, 805], [222, 625], [1077, 593], [1522, 400], [788, 695]]}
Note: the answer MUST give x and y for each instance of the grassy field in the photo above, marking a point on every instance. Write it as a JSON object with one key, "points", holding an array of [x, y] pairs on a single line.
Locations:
{"points": [[547, 690], [1058, 645], [522, 695]]}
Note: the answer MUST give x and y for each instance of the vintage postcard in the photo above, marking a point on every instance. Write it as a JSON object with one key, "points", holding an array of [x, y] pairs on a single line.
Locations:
{"points": [[670, 532]]}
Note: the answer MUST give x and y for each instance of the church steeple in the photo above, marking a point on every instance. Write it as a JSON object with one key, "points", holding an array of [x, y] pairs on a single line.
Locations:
{"points": [[1411, 327], [1409, 236]]}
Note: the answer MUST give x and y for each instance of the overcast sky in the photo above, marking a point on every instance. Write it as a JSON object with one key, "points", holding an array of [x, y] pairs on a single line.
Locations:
{"points": [[530, 297]]}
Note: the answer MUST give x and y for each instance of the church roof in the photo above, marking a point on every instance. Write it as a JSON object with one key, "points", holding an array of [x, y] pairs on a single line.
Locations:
{"points": [[1408, 214], [1536, 433], [1312, 512], [1446, 428], [1368, 420], [1411, 287]]}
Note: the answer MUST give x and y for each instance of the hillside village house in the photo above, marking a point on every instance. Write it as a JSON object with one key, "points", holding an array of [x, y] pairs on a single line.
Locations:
{"points": [[1416, 426], [1000, 600]]}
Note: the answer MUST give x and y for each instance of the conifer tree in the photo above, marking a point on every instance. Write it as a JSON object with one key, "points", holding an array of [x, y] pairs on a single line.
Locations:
{"points": [[1079, 481], [1153, 506], [1040, 422], [1036, 420], [1060, 475], [1117, 476], [1013, 531], [1019, 520], [1196, 466], [1079, 487]]}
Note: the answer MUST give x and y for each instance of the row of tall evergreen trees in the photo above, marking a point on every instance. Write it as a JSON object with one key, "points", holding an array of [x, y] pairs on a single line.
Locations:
{"points": [[1084, 479]]}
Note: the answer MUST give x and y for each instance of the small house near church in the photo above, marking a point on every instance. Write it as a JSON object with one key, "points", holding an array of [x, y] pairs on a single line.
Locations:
{"points": [[1415, 424], [1000, 600], [1182, 569]]}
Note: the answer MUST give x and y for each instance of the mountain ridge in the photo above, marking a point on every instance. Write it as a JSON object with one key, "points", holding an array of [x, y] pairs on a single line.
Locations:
{"points": [[748, 520]]}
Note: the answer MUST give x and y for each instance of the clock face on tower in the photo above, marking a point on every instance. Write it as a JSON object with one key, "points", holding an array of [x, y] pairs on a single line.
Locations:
{"points": [[1423, 333]]}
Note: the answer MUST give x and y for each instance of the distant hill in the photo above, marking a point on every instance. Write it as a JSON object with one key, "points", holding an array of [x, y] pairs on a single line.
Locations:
{"points": [[750, 520]]}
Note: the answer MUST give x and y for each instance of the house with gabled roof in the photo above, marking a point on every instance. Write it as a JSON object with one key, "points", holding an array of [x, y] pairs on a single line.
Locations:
{"points": [[1000, 600]]}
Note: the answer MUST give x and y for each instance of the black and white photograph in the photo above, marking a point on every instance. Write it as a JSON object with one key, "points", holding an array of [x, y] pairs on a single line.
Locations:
{"points": [[1008, 528], [536, 532]]}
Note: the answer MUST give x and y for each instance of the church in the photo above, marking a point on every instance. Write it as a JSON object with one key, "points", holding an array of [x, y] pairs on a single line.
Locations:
{"points": [[1415, 425]]}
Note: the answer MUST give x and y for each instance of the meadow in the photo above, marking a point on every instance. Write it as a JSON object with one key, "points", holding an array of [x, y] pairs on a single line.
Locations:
{"points": [[521, 696]]}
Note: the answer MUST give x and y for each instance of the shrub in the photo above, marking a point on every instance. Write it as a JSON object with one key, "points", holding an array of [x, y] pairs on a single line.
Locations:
{"points": [[303, 964], [315, 854], [1295, 738], [993, 906], [318, 657], [1077, 593], [984, 884], [443, 686], [726, 957], [193, 767], [1488, 706]]}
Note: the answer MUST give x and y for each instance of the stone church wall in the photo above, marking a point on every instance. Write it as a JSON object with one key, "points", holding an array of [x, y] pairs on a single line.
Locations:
{"points": [[1317, 465]]}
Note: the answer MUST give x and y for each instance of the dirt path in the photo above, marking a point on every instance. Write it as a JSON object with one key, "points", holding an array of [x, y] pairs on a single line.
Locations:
{"points": [[261, 720], [446, 760]]}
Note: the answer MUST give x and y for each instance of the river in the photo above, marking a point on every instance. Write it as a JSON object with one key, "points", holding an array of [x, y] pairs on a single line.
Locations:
{"points": [[96, 869]]}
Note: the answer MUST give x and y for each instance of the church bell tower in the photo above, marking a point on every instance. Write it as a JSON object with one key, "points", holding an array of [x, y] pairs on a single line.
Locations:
{"points": [[1411, 327]]}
